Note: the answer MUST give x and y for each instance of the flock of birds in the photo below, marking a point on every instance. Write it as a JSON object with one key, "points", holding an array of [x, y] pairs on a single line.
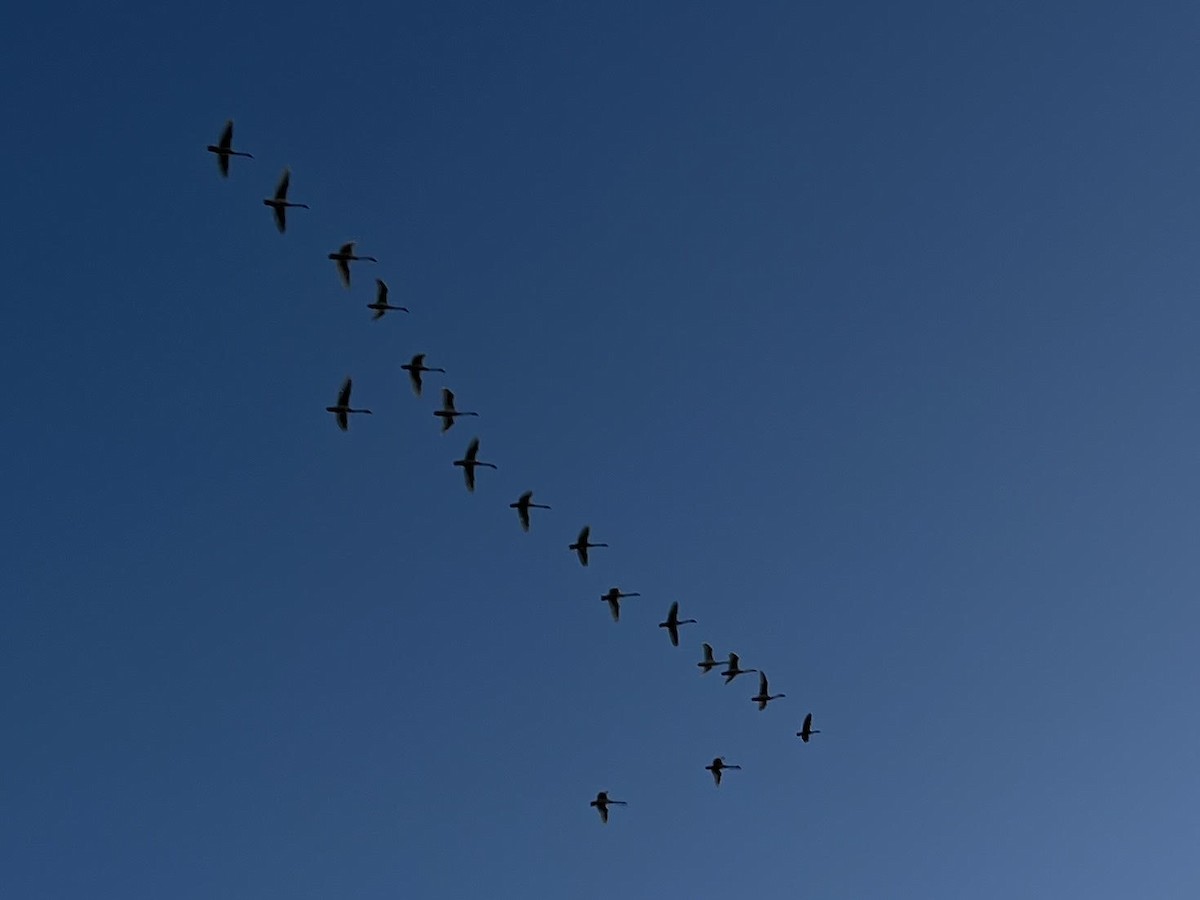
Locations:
{"points": [[448, 414]]}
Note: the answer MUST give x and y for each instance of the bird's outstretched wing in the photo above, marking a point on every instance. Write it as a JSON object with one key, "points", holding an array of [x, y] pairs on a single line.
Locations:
{"points": [[344, 393], [343, 267], [343, 420], [280, 217], [523, 509], [226, 140], [469, 475], [281, 189], [414, 372], [473, 449], [447, 400]]}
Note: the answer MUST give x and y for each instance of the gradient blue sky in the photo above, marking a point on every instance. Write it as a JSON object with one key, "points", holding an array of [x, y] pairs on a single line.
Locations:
{"points": [[868, 331]]}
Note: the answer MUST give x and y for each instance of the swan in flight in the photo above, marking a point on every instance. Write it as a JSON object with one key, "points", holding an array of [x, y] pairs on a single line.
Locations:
{"points": [[673, 622], [381, 304], [602, 803], [345, 255], [469, 464], [343, 409], [719, 765], [279, 203], [613, 599], [523, 505], [582, 543], [806, 730], [223, 149], [414, 368], [709, 662], [763, 697], [733, 668], [448, 413]]}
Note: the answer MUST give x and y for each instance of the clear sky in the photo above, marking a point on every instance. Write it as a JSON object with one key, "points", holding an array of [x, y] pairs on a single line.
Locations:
{"points": [[868, 331]]}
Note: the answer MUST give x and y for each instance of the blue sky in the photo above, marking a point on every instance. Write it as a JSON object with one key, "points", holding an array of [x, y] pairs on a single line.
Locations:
{"points": [[866, 332]]}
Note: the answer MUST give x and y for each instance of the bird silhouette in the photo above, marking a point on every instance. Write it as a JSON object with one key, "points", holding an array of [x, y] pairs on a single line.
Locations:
{"points": [[448, 413], [279, 203], [733, 669], [613, 598], [414, 368], [582, 543], [344, 256], [224, 149], [709, 662], [763, 697], [343, 409], [673, 622], [381, 304], [602, 803], [469, 464], [718, 765], [806, 730], [523, 505]]}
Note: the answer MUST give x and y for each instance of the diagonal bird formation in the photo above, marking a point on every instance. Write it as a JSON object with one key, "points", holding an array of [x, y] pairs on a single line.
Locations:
{"points": [[448, 414]]}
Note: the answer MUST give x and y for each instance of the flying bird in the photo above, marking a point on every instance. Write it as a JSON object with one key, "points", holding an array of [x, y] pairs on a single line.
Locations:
{"points": [[523, 505], [673, 622], [763, 698], [344, 256], [806, 730], [448, 413], [582, 543], [279, 203], [613, 599], [709, 662], [343, 409], [718, 765], [414, 368], [733, 669], [469, 464], [381, 304], [224, 149], [602, 803]]}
